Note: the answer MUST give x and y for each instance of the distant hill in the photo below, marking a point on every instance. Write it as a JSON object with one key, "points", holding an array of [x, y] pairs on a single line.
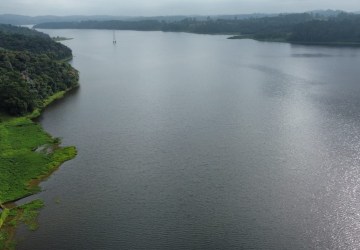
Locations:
{"points": [[256, 25], [342, 29], [326, 13], [26, 20], [313, 27]]}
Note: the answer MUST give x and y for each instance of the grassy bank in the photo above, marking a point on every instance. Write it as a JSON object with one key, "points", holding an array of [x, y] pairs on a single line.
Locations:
{"points": [[37, 112], [20, 161], [28, 155]]}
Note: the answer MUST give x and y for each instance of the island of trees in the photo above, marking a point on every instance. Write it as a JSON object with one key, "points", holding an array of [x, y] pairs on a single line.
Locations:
{"points": [[340, 28], [33, 73]]}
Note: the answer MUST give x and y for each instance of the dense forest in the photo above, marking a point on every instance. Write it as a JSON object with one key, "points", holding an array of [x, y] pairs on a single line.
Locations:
{"points": [[303, 27], [29, 72], [24, 39], [193, 25], [146, 25], [344, 28], [31, 20]]}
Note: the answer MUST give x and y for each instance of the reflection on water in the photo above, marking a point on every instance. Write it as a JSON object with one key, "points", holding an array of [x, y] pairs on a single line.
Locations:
{"points": [[198, 142]]}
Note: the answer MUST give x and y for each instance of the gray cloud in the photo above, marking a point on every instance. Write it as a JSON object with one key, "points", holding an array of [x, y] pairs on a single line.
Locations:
{"points": [[168, 7]]}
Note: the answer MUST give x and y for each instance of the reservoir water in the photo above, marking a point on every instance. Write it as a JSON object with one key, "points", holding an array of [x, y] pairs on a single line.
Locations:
{"points": [[198, 142]]}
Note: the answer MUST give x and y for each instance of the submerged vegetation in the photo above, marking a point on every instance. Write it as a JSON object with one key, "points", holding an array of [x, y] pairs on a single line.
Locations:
{"points": [[11, 218], [32, 75]]}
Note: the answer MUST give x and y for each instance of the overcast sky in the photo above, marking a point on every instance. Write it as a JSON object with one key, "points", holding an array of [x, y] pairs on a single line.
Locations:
{"points": [[168, 7]]}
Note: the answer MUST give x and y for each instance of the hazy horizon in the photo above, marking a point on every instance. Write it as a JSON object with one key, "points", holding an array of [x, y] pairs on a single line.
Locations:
{"points": [[169, 7]]}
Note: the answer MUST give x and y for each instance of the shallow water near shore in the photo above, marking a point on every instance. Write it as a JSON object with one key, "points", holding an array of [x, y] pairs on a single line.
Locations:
{"points": [[199, 142]]}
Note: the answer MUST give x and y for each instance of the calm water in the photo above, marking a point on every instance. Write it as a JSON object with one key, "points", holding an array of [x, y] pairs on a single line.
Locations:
{"points": [[198, 142]]}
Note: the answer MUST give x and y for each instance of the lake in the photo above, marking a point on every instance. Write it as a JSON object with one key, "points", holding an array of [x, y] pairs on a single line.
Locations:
{"points": [[199, 142]]}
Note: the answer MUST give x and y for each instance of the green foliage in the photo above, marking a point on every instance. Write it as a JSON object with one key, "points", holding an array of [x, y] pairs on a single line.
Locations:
{"points": [[280, 24], [3, 217], [334, 27], [28, 72], [342, 29], [143, 25], [255, 26], [24, 39], [20, 164], [26, 80], [22, 167], [30, 79]]}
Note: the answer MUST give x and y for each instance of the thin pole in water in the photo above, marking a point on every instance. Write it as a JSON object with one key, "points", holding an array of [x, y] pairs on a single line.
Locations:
{"points": [[114, 37]]}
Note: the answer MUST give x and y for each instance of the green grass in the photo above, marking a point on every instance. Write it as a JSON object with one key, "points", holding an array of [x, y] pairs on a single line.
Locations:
{"points": [[3, 216], [49, 100], [21, 167], [20, 164]]}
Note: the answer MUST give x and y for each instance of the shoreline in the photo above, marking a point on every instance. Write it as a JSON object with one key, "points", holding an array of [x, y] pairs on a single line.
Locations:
{"points": [[56, 143], [232, 36], [281, 40], [41, 165]]}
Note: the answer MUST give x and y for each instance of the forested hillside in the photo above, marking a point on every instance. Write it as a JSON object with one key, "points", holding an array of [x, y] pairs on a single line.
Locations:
{"points": [[29, 72], [345, 28], [304, 27], [208, 26], [24, 39]]}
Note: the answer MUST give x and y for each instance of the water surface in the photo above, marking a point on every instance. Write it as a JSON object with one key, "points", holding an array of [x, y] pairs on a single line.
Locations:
{"points": [[198, 142]]}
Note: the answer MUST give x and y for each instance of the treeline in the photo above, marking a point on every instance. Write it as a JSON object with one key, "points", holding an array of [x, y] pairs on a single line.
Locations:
{"points": [[193, 25], [145, 25], [345, 28], [279, 24], [303, 27], [28, 74], [24, 39]]}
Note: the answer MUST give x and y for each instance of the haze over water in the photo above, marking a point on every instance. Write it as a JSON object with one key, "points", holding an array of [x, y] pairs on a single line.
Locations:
{"points": [[198, 142]]}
